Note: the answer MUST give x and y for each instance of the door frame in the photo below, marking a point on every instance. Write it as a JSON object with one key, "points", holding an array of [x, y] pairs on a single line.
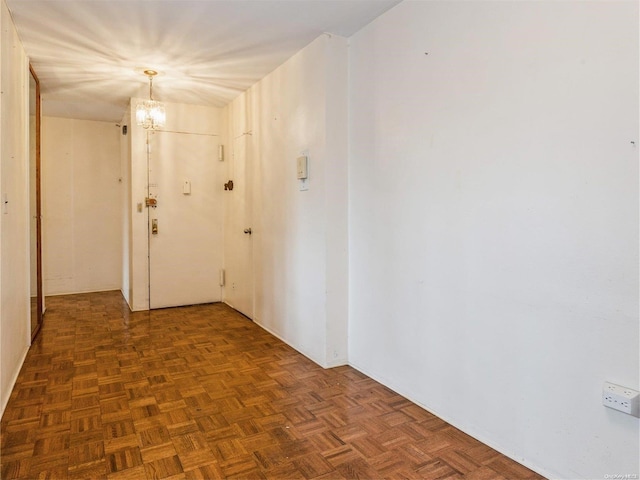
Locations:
{"points": [[38, 233]]}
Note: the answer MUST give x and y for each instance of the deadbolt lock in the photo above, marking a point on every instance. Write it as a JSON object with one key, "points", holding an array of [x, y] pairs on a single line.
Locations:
{"points": [[154, 226]]}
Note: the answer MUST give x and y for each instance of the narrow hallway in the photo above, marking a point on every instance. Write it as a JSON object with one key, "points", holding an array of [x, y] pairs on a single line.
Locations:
{"points": [[201, 392]]}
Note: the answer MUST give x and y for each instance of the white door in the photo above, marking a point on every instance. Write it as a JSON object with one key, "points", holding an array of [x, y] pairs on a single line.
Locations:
{"points": [[185, 225], [239, 255]]}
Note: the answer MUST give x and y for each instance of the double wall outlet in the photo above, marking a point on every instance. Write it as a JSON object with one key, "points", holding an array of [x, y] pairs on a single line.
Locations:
{"points": [[621, 398]]}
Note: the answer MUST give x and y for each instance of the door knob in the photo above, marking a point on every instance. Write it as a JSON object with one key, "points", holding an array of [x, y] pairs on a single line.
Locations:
{"points": [[247, 231]]}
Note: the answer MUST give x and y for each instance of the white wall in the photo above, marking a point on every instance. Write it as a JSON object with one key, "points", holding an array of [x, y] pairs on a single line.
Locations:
{"points": [[138, 260], [14, 222], [81, 187], [300, 238], [493, 200], [125, 206]]}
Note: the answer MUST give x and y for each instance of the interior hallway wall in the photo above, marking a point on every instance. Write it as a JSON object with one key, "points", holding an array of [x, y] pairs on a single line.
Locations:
{"points": [[300, 237], [14, 216], [125, 205], [81, 195], [493, 202]]}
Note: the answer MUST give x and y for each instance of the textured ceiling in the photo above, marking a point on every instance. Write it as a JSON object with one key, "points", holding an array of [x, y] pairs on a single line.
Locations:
{"points": [[89, 54]]}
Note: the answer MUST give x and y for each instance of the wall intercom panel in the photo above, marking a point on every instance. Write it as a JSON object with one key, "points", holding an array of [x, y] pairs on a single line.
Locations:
{"points": [[302, 167]]}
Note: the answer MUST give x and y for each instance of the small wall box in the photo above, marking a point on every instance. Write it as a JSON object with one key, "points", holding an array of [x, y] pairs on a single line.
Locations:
{"points": [[301, 164]]}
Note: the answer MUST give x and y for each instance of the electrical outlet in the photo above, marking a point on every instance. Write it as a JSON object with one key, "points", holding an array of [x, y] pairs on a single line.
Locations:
{"points": [[621, 398]]}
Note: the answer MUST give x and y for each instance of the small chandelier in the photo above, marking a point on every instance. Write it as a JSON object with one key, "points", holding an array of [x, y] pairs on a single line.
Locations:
{"points": [[151, 114]]}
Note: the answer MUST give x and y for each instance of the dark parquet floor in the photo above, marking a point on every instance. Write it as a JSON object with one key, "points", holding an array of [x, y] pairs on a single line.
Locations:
{"points": [[202, 392]]}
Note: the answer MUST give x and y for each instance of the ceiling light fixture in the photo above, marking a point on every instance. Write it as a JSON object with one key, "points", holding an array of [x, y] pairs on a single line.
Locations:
{"points": [[151, 114]]}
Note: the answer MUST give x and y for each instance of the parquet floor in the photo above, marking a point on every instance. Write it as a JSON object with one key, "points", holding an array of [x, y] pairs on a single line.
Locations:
{"points": [[202, 392]]}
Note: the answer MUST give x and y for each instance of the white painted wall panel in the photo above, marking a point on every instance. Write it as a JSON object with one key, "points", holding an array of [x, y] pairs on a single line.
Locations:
{"points": [[300, 237], [289, 112], [126, 206], [14, 221], [82, 240], [493, 203]]}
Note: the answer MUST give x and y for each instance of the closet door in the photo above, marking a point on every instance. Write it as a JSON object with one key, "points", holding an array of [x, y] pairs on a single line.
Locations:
{"points": [[35, 204], [239, 287]]}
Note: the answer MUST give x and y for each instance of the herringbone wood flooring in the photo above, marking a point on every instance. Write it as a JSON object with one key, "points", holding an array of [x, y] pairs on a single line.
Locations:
{"points": [[202, 392]]}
